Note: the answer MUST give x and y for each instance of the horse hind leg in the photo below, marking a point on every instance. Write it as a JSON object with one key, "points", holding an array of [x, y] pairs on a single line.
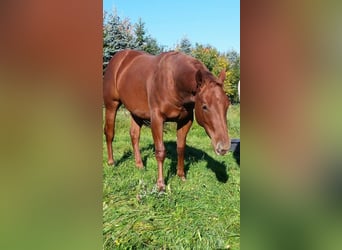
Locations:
{"points": [[157, 133], [109, 128], [135, 137]]}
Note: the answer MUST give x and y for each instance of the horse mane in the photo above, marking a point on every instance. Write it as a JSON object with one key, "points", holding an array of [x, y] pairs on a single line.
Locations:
{"points": [[204, 70], [209, 76]]}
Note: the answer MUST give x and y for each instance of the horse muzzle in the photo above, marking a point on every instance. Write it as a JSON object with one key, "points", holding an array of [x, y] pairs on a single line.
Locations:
{"points": [[222, 148]]}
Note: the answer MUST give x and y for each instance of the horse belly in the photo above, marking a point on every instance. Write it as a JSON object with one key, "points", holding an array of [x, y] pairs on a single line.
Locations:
{"points": [[139, 109]]}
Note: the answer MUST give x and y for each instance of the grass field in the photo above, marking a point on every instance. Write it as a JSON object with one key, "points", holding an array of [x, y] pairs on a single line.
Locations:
{"points": [[201, 213]]}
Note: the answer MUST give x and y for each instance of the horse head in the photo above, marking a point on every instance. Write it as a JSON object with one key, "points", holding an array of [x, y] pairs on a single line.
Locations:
{"points": [[211, 105]]}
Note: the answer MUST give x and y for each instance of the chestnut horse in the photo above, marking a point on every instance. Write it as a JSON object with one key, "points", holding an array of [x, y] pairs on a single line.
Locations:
{"points": [[162, 88]]}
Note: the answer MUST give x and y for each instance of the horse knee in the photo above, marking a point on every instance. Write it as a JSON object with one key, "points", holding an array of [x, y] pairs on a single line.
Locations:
{"points": [[160, 154]]}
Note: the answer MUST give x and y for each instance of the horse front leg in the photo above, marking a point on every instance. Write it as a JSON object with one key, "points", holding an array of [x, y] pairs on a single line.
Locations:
{"points": [[183, 128], [135, 137], [157, 124]]}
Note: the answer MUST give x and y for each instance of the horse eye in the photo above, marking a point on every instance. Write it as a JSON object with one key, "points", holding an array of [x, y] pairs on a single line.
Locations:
{"points": [[204, 107]]}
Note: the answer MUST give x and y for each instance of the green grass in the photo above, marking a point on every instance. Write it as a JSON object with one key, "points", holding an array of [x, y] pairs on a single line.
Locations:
{"points": [[201, 213]]}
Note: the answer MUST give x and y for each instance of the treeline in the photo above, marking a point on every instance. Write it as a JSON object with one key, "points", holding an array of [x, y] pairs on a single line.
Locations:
{"points": [[119, 33]]}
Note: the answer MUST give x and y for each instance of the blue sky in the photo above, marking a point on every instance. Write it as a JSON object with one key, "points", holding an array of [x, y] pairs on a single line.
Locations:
{"points": [[214, 22]]}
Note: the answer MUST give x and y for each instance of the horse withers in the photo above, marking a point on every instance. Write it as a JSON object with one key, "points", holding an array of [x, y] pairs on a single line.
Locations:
{"points": [[166, 87]]}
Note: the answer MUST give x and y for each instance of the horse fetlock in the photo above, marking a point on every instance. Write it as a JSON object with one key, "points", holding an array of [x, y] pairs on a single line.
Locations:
{"points": [[139, 164]]}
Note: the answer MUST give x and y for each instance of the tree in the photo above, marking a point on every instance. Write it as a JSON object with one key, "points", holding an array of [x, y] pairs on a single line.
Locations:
{"points": [[143, 41], [117, 35], [152, 46], [140, 35], [234, 73], [206, 54], [184, 46]]}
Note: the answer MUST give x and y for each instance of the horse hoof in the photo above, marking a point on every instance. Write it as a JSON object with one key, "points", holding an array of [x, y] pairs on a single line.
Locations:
{"points": [[161, 186], [110, 162], [182, 178]]}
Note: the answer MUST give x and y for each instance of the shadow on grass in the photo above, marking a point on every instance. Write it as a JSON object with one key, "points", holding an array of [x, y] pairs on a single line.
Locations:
{"points": [[192, 155], [127, 154]]}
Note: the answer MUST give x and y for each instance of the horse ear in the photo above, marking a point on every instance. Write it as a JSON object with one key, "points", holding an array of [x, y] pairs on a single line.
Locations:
{"points": [[199, 78], [222, 76]]}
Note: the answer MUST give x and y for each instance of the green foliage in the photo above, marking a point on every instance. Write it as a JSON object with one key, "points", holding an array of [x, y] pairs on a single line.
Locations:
{"points": [[201, 213], [207, 55], [233, 76]]}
